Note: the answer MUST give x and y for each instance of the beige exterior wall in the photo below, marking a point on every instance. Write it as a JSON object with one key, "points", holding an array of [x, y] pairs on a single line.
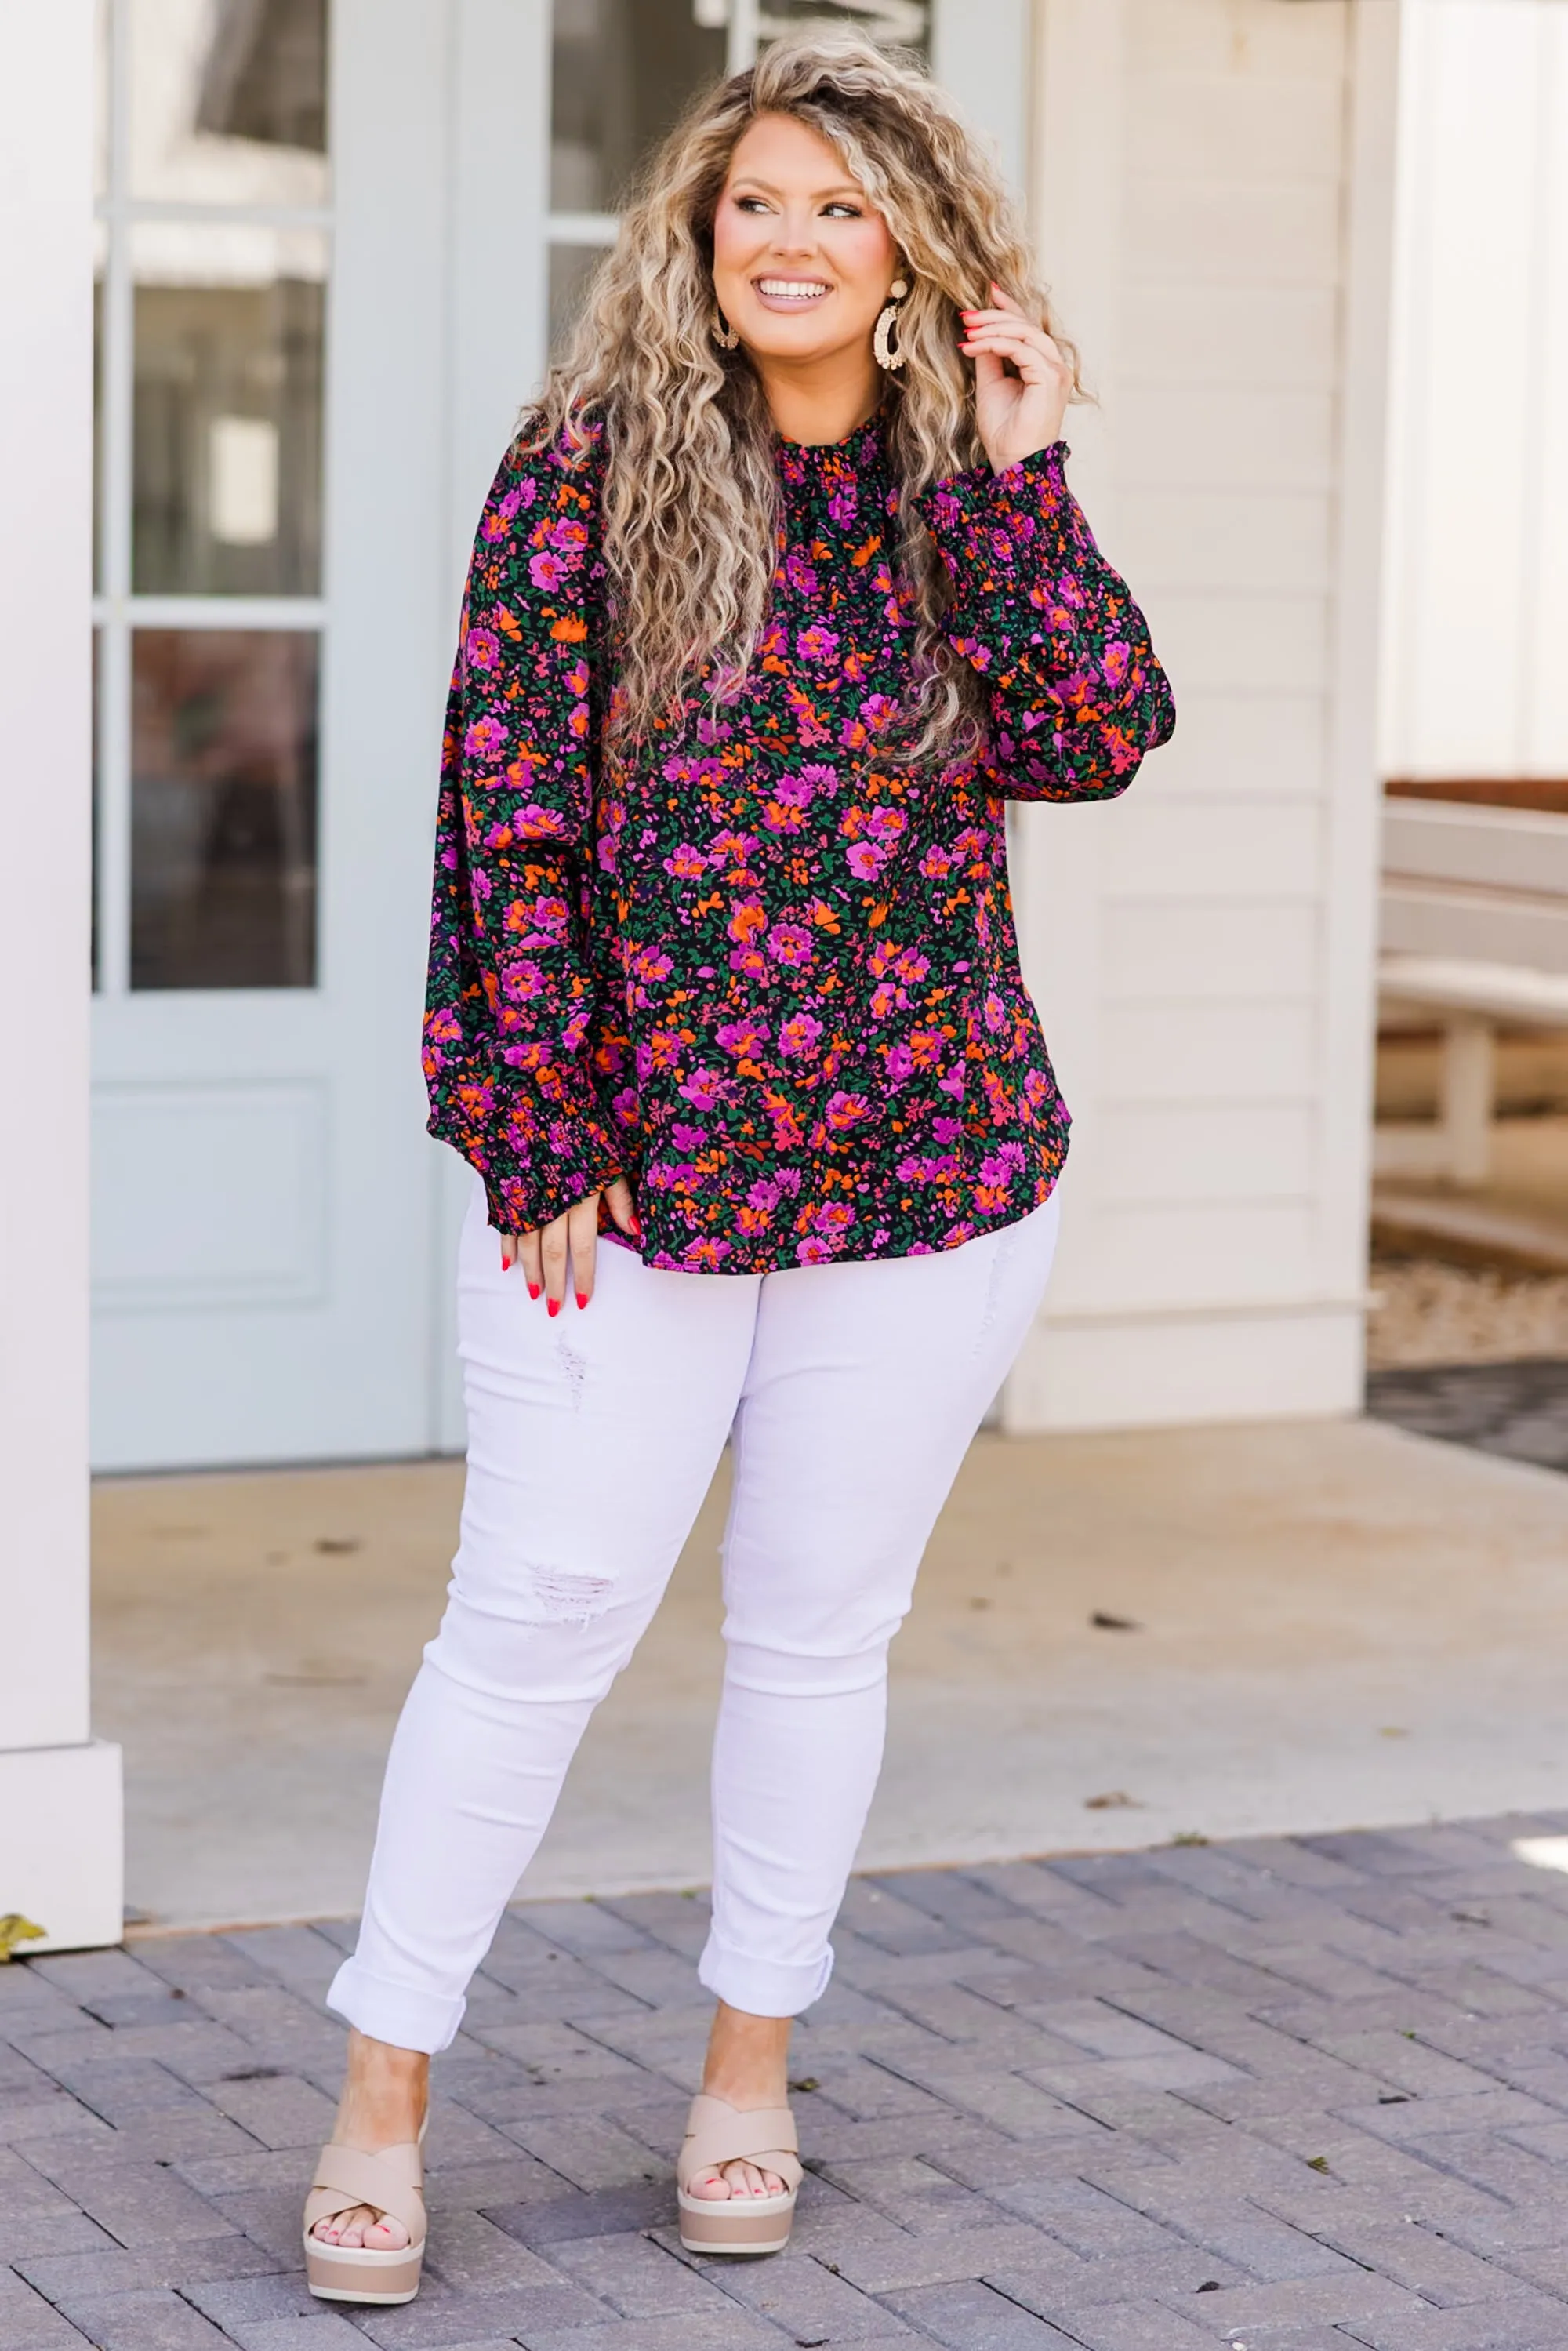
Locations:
{"points": [[1211, 191]]}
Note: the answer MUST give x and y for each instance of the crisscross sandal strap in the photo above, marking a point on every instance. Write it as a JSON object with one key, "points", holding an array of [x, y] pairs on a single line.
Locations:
{"points": [[718, 2133], [390, 2183]]}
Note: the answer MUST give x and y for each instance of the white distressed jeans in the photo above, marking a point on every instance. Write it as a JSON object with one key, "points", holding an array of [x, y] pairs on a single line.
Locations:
{"points": [[852, 1392]]}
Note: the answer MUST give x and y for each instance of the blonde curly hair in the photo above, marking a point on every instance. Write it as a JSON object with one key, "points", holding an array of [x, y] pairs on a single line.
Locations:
{"points": [[689, 510]]}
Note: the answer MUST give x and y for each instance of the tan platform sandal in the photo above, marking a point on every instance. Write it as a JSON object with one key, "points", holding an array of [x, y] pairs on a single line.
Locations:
{"points": [[393, 2183], [717, 2134]]}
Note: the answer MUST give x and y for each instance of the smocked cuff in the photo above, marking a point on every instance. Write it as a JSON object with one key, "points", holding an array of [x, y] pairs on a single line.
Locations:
{"points": [[980, 517], [1016, 550], [547, 1154], [536, 1137]]}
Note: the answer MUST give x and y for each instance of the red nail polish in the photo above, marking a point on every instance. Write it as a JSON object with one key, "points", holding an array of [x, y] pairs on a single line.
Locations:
{"points": [[581, 1299], [533, 1289], [554, 1306]]}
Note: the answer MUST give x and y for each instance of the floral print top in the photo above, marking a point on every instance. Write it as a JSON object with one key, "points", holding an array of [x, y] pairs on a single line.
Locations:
{"points": [[765, 973]]}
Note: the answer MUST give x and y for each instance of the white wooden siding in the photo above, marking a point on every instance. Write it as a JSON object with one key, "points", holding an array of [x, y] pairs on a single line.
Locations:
{"points": [[1211, 209], [1205, 955], [1159, 1052], [1230, 745], [1182, 1256], [1231, 847]]}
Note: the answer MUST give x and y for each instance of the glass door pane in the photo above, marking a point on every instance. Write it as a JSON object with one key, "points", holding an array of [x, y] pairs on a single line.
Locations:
{"points": [[211, 376], [228, 102], [621, 73], [226, 492], [572, 266], [621, 70], [223, 807], [904, 24]]}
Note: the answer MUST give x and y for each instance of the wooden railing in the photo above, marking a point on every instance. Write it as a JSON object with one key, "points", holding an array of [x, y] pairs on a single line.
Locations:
{"points": [[1475, 937]]}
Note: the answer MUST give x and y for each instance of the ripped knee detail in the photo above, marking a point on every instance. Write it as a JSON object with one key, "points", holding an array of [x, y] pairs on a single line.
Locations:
{"points": [[553, 1596], [573, 1371]]}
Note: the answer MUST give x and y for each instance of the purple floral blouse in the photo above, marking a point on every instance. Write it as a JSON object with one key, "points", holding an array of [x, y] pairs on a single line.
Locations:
{"points": [[763, 971]]}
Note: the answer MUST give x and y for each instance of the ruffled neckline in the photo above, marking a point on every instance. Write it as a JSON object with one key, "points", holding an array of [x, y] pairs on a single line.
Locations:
{"points": [[829, 461]]}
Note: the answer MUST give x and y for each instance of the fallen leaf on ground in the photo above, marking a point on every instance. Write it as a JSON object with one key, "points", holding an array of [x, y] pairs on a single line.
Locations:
{"points": [[14, 1930]]}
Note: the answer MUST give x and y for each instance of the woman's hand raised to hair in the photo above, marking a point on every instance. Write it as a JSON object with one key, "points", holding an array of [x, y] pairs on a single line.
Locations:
{"points": [[545, 1252], [1022, 381]]}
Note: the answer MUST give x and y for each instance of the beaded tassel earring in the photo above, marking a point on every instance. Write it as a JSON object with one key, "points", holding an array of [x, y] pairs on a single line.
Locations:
{"points": [[888, 353], [721, 331]]}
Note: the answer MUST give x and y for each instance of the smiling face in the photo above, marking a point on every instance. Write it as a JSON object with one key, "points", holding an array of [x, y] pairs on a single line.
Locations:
{"points": [[801, 262]]}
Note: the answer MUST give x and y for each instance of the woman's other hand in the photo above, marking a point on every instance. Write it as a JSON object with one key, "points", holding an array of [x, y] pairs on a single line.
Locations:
{"points": [[1021, 411], [546, 1251]]}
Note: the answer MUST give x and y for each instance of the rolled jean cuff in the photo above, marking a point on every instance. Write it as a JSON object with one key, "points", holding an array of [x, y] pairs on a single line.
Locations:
{"points": [[398, 2013], [762, 1987]]}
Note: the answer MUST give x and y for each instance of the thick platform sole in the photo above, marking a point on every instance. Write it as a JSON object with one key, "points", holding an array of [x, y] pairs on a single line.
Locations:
{"points": [[763, 2225], [360, 2273]]}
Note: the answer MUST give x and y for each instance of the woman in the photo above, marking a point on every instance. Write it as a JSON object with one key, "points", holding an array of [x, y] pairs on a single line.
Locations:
{"points": [[777, 598]]}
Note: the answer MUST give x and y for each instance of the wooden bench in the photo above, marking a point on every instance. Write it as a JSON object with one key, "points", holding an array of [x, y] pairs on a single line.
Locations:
{"points": [[1475, 937]]}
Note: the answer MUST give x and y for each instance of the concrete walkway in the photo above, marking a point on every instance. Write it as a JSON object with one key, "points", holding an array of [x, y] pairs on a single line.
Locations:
{"points": [[1274, 2095], [1335, 1624]]}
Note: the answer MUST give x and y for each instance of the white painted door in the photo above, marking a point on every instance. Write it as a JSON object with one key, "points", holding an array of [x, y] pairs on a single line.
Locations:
{"points": [[271, 601]]}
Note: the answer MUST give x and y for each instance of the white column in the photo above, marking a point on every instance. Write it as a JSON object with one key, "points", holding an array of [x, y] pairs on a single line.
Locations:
{"points": [[1212, 196], [1475, 684], [60, 1789]]}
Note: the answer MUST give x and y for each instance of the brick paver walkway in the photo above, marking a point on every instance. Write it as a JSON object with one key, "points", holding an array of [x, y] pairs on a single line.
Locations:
{"points": [[1517, 1409], [1308, 2093]]}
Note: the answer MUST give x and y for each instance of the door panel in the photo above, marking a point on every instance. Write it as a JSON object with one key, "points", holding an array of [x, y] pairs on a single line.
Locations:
{"points": [[210, 1196]]}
